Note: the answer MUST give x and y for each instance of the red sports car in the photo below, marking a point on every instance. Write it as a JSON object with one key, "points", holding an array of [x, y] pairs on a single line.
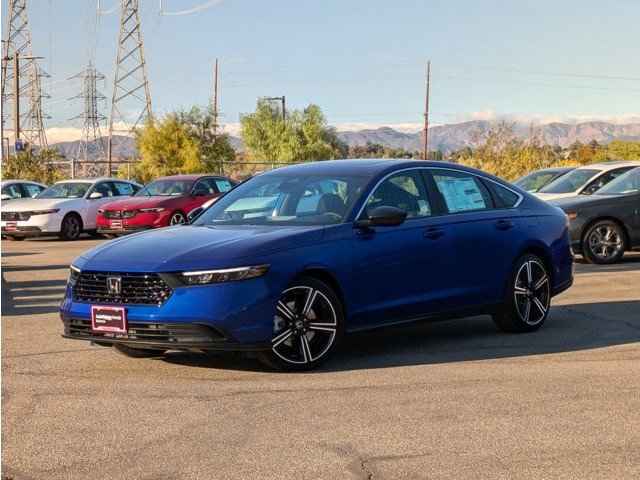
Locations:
{"points": [[161, 203]]}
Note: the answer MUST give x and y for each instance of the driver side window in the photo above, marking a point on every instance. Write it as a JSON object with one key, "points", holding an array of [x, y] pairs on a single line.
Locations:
{"points": [[404, 190]]}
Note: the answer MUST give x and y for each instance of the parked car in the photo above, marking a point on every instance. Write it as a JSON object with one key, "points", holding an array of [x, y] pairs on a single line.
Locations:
{"points": [[65, 209], [161, 203], [13, 189], [585, 180], [387, 242], [534, 181], [606, 224]]}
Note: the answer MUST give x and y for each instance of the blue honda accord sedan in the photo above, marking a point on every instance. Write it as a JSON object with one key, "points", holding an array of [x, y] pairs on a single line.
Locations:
{"points": [[288, 262]]}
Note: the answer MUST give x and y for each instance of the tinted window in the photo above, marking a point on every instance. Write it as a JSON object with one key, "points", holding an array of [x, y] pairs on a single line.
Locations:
{"points": [[166, 188], [604, 179], [123, 189], [624, 184], [462, 192], [570, 182], [12, 190], [31, 189], [536, 180], [206, 186], [404, 190], [104, 188], [504, 197], [66, 190]]}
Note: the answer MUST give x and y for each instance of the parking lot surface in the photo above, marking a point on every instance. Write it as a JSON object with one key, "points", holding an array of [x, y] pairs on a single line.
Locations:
{"points": [[454, 399]]}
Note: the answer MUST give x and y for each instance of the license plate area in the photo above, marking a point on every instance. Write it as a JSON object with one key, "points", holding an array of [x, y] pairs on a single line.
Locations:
{"points": [[108, 319], [117, 224], [11, 226]]}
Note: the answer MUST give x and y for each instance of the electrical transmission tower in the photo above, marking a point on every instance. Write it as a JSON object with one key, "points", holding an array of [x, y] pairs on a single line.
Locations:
{"points": [[90, 116], [21, 110], [131, 100]]}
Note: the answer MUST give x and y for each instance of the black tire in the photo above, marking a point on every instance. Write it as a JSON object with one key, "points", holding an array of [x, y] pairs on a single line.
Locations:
{"points": [[178, 218], [604, 243], [527, 297], [71, 227], [132, 352], [14, 239], [308, 325]]}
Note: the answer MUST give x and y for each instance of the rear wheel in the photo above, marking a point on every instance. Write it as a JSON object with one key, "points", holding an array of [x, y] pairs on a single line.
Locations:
{"points": [[137, 352], [307, 326], [528, 297], [71, 227], [604, 243]]}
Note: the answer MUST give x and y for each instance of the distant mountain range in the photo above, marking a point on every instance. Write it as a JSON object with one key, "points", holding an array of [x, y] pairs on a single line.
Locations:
{"points": [[442, 137]]}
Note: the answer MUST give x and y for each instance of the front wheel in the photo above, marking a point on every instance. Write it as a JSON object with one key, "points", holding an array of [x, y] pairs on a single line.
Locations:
{"points": [[604, 243], [71, 227], [528, 297], [307, 326], [177, 218]]}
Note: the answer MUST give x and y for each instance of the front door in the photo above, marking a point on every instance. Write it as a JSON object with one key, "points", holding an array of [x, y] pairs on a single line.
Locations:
{"points": [[397, 269]]}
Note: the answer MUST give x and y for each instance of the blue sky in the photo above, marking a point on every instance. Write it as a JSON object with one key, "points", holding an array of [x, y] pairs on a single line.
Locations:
{"points": [[363, 61]]}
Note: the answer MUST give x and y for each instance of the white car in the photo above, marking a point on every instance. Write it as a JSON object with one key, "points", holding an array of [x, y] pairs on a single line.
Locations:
{"points": [[584, 180], [66, 209], [12, 189]]}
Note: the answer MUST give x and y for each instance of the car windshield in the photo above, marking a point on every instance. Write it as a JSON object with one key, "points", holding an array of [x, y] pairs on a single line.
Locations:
{"points": [[536, 180], [287, 200], [166, 188], [624, 184], [570, 182], [66, 190]]}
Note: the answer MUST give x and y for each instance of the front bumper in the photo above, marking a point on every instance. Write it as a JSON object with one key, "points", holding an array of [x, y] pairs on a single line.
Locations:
{"points": [[233, 316], [36, 225], [122, 231]]}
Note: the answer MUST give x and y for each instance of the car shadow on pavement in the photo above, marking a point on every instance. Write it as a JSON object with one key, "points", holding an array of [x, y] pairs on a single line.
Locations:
{"points": [[569, 328], [32, 297], [631, 261]]}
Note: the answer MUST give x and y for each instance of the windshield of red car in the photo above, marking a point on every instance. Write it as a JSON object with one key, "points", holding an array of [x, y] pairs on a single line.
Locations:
{"points": [[166, 188]]}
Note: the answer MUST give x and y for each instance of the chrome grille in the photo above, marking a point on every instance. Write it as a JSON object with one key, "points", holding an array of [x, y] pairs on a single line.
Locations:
{"points": [[119, 213], [135, 288], [15, 216]]}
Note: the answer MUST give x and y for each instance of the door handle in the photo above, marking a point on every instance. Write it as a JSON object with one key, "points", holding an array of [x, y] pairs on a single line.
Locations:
{"points": [[504, 224], [433, 233]]}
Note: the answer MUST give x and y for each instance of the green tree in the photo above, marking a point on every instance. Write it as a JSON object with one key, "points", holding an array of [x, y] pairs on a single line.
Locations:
{"points": [[302, 136], [33, 165]]}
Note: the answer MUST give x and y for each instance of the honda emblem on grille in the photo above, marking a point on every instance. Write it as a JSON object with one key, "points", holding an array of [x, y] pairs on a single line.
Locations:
{"points": [[114, 285]]}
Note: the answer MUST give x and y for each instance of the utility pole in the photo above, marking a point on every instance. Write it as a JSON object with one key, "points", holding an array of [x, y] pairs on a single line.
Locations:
{"points": [[90, 116], [28, 100], [283, 103], [425, 150], [215, 100], [130, 83]]}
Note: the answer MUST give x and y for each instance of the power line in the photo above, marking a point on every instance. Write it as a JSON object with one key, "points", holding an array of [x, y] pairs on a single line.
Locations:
{"points": [[189, 11]]}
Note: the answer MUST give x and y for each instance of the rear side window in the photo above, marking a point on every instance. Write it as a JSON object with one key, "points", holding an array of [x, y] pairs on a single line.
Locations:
{"points": [[123, 189], [462, 192], [31, 189], [223, 185], [504, 197]]}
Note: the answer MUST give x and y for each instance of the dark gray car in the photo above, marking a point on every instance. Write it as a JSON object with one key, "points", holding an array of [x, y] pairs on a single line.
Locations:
{"points": [[606, 224]]}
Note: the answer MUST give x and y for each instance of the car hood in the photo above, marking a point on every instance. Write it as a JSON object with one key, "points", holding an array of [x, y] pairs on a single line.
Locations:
{"points": [[194, 248], [30, 204], [584, 201], [553, 196], [132, 203]]}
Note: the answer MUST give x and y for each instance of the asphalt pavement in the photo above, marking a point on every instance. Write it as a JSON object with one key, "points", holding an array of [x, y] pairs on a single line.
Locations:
{"points": [[454, 400]]}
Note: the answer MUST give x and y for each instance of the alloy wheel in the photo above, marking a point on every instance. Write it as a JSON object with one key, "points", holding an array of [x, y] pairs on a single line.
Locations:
{"points": [[532, 292], [605, 242], [71, 228], [304, 327], [177, 219]]}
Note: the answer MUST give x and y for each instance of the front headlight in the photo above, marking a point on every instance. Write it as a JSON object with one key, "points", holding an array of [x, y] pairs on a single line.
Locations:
{"points": [[154, 210], [74, 274], [205, 277], [44, 212]]}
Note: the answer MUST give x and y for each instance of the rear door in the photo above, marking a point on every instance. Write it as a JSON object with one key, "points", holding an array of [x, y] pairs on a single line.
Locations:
{"points": [[484, 231]]}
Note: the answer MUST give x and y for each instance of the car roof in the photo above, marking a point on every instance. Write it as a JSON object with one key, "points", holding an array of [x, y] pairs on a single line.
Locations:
{"points": [[363, 166], [96, 180], [194, 176], [610, 165], [11, 181]]}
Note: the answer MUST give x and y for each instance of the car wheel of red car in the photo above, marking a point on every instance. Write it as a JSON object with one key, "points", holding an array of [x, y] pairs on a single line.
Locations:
{"points": [[177, 218]]}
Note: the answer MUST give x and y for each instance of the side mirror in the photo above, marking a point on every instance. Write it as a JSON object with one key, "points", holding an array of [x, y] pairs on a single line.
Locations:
{"points": [[96, 195], [193, 214], [383, 216]]}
